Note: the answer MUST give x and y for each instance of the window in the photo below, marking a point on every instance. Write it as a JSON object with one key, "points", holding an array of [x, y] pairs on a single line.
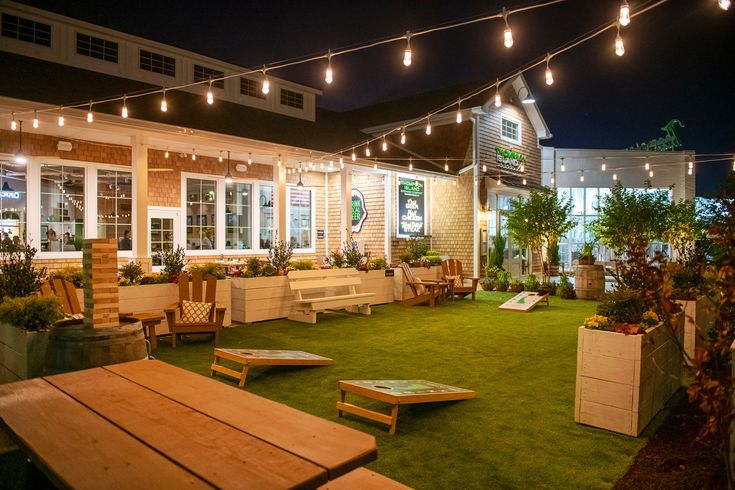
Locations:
{"points": [[157, 63], [265, 201], [510, 130], [26, 30], [13, 202], [251, 88], [115, 207], [96, 47], [201, 214], [300, 217], [162, 238], [238, 230], [202, 73], [62, 208], [292, 99]]}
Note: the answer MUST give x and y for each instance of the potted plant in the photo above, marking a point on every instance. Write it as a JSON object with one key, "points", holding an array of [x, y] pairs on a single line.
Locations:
{"points": [[502, 281], [566, 288], [173, 262], [491, 274], [516, 285], [352, 255], [554, 257], [587, 254], [531, 283], [547, 287], [497, 254], [279, 255]]}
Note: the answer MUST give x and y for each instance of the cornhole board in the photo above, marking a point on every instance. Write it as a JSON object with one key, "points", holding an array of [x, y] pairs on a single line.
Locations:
{"points": [[263, 357], [396, 392], [524, 301]]}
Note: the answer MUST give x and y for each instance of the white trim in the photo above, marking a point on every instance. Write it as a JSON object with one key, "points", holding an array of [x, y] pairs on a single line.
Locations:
{"points": [[163, 212], [312, 210], [513, 120]]}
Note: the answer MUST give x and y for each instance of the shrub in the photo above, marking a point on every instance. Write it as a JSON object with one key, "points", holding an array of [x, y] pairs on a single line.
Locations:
{"points": [[516, 286], [279, 255], [132, 272], [497, 254], [432, 259], [433, 253], [336, 259], [74, 275], [492, 271], [377, 263], [531, 283], [623, 306], [566, 289], [31, 312], [173, 261], [302, 265], [18, 276], [208, 269], [417, 248], [269, 270], [351, 252], [547, 287], [254, 267], [154, 279]]}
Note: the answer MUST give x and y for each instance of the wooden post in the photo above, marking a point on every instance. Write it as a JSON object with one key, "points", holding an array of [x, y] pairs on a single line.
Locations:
{"points": [[101, 302]]}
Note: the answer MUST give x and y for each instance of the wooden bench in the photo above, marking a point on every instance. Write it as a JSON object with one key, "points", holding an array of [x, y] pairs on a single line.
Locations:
{"points": [[315, 293]]}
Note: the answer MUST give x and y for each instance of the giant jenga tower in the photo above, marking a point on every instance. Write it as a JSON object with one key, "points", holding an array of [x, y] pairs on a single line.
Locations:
{"points": [[101, 303]]}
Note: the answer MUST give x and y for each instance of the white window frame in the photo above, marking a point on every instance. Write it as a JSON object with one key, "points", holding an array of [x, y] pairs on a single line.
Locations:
{"points": [[398, 214], [254, 216], [287, 237], [520, 128], [165, 213], [33, 203]]}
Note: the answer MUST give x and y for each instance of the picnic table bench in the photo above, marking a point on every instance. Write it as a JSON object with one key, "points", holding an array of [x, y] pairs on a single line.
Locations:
{"points": [[147, 424], [317, 291]]}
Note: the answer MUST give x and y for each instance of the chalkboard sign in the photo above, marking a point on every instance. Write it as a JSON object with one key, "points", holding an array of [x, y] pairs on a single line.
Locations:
{"points": [[411, 206]]}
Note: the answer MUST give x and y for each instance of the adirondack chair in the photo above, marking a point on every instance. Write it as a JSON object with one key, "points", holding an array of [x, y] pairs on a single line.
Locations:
{"points": [[424, 290], [179, 316], [67, 294], [459, 285]]}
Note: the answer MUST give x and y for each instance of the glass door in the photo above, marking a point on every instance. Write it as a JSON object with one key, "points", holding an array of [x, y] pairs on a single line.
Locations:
{"points": [[163, 233]]}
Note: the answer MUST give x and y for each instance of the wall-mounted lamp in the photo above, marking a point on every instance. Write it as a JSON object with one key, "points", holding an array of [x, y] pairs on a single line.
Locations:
{"points": [[528, 99]]}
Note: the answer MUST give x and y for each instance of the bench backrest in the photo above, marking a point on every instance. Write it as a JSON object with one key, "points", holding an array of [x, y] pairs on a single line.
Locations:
{"points": [[300, 281], [67, 294]]}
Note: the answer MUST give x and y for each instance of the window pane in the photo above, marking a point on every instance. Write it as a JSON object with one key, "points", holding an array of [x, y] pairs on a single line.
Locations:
{"points": [[13, 202], [265, 202], [300, 217], [238, 217], [201, 214], [115, 207], [62, 208]]}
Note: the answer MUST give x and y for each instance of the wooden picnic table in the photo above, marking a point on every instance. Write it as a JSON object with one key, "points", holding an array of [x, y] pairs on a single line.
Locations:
{"points": [[148, 424]]}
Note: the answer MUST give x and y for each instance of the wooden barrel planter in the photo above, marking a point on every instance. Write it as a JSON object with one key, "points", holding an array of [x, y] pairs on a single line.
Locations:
{"points": [[589, 281], [72, 347]]}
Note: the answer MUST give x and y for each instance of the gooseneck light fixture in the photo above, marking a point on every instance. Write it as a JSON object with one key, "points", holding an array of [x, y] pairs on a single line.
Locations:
{"points": [[20, 157], [300, 184], [228, 177], [528, 99]]}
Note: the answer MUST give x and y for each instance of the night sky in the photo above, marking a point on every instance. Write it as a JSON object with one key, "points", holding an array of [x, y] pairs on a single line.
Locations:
{"points": [[677, 64]]}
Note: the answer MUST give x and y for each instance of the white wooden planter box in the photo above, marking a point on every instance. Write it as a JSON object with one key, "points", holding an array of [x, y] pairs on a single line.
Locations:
{"points": [[699, 315], [623, 381], [22, 353], [401, 291], [256, 299], [376, 282], [154, 298]]}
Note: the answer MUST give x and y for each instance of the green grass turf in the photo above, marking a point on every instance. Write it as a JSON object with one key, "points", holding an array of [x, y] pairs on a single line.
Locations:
{"points": [[519, 431]]}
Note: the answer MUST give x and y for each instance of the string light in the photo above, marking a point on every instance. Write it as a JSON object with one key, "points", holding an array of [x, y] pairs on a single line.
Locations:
{"points": [[581, 176], [548, 74], [484, 167], [328, 75], [341, 162], [124, 112], [354, 156], [164, 104], [647, 166], [524, 181], [446, 165], [624, 17], [499, 181], [689, 171], [562, 166], [552, 179], [410, 164], [367, 150], [507, 33], [650, 173], [523, 167], [13, 123], [278, 162], [690, 164], [193, 154], [220, 156], [375, 166], [250, 158], [619, 46], [724, 4], [407, 53], [90, 116], [459, 111], [403, 135], [165, 155], [604, 165], [210, 95], [384, 146], [615, 176], [498, 102], [61, 115], [428, 125], [35, 120], [266, 87]]}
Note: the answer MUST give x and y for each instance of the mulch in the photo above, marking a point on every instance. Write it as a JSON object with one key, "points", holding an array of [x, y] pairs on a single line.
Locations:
{"points": [[674, 458]]}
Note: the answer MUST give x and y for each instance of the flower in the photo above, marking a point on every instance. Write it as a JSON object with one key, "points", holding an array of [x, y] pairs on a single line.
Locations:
{"points": [[650, 318], [598, 322]]}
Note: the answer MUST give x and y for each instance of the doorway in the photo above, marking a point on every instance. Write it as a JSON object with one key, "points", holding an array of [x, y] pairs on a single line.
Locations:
{"points": [[163, 232]]}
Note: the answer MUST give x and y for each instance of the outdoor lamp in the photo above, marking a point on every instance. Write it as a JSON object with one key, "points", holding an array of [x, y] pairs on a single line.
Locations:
{"points": [[20, 157], [528, 99]]}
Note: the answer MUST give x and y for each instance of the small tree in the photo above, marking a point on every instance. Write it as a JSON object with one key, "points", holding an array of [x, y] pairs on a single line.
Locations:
{"points": [[539, 220], [18, 276], [497, 254], [279, 255], [683, 227]]}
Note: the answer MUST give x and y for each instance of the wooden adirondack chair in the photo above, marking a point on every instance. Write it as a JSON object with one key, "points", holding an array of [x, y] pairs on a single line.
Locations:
{"points": [[424, 290], [175, 312], [67, 294], [459, 285]]}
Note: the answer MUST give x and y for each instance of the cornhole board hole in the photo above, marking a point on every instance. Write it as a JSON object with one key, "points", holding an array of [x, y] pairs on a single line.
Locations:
{"points": [[396, 392], [263, 357], [524, 301]]}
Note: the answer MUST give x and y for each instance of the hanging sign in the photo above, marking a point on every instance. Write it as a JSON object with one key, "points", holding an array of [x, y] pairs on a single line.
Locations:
{"points": [[509, 159], [411, 205], [359, 211]]}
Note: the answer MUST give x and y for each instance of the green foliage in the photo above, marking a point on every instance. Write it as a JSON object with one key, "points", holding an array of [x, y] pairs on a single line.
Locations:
{"points": [[432, 259], [492, 271], [629, 219], [497, 254], [208, 269], [417, 248], [433, 253], [131, 272], [279, 255], [554, 257], [173, 261], [302, 265], [531, 283], [684, 226], [352, 255], [31, 312], [548, 287], [623, 306], [269, 270], [587, 254], [565, 290], [18, 276], [254, 267], [377, 263], [153, 279], [336, 259], [516, 285], [73, 274], [502, 280], [540, 219]]}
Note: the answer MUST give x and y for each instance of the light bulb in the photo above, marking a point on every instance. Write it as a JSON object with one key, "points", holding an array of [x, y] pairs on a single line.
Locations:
{"points": [[331, 164], [341, 162], [278, 162], [266, 84], [375, 166], [410, 165], [90, 116], [549, 76], [228, 178], [367, 150], [689, 171], [384, 146], [35, 120], [508, 37], [446, 166], [484, 167], [220, 156], [524, 181], [407, 53], [454, 183], [210, 95], [193, 154], [604, 165], [499, 181], [403, 136], [691, 164], [250, 158], [164, 104], [165, 155], [724, 4], [124, 112], [497, 93], [581, 177], [459, 114], [523, 167], [562, 166], [650, 173], [553, 180], [61, 117], [13, 123], [624, 17], [615, 176], [329, 75], [647, 166], [619, 46], [354, 156], [428, 127]]}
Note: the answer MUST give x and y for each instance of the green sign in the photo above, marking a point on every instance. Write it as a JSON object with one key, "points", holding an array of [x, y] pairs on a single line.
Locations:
{"points": [[670, 142], [359, 211], [509, 159]]}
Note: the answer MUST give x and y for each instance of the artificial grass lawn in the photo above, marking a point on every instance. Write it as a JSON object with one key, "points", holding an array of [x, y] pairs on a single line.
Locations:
{"points": [[519, 430]]}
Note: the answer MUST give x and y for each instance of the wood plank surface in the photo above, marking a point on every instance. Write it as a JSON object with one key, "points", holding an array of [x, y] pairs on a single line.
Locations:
{"points": [[222, 455], [363, 479], [330, 445], [77, 448]]}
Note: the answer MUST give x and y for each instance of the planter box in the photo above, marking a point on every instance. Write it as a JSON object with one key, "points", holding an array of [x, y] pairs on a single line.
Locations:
{"points": [[401, 291], [624, 380], [22, 353], [260, 298], [154, 298], [376, 282], [699, 315]]}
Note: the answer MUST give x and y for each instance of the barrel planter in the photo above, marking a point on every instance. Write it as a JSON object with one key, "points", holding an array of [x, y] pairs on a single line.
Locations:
{"points": [[589, 281], [72, 347], [623, 381], [22, 353], [699, 315]]}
